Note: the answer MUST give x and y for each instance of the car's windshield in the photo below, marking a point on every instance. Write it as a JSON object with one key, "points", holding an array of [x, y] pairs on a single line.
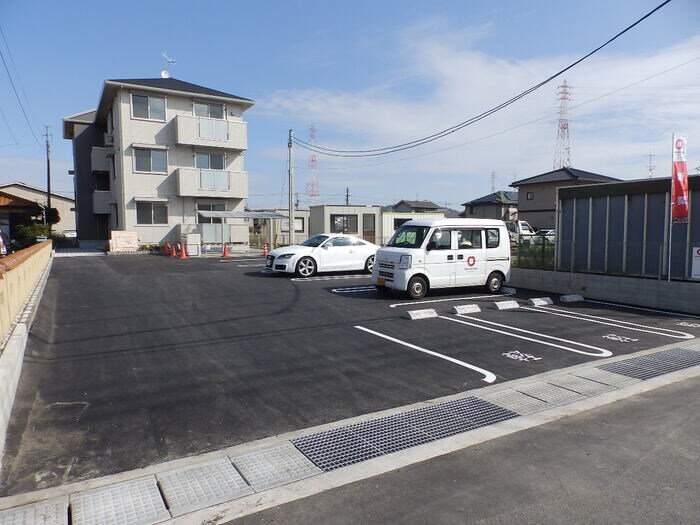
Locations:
{"points": [[314, 241], [408, 236]]}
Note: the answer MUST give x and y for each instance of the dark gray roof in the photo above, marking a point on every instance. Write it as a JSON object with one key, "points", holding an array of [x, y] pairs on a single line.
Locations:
{"points": [[419, 204], [174, 84], [499, 197], [563, 175]]}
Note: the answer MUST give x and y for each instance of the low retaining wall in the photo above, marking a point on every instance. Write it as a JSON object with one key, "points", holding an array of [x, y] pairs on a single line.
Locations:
{"points": [[19, 275], [680, 296]]}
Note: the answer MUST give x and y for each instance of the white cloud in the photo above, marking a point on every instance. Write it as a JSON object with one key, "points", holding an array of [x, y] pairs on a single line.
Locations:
{"points": [[608, 136]]}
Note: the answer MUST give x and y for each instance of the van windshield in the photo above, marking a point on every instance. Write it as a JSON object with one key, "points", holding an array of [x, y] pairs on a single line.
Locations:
{"points": [[408, 237]]}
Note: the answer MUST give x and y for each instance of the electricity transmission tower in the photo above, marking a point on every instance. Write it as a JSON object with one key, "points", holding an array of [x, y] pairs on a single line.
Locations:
{"points": [[562, 154]]}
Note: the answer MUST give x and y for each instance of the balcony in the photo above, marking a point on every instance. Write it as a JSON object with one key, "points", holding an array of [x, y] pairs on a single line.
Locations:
{"points": [[101, 201], [99, 160], [212, 133], [194, 182]]}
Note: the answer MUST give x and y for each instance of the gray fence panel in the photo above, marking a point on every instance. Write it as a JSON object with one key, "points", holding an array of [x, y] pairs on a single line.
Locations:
{"points": [[616, 228], [635, 234], [600, 210], [656, 217]]}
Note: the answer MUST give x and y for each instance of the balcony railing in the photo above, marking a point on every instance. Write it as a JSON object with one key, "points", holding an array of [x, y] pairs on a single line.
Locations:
{"points": [[101, 201], [99, 160], [215, 133], [194, 182]]}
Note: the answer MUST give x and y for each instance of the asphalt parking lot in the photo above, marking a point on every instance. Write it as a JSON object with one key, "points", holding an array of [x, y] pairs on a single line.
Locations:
{"points": [[138, 360]]}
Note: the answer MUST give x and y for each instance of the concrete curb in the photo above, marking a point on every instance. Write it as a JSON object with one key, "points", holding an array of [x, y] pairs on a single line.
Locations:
{"points": [[12, 356]]}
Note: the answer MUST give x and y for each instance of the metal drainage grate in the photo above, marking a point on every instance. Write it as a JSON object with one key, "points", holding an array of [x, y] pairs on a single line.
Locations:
{"points": [[351, 444], [656, 364]]}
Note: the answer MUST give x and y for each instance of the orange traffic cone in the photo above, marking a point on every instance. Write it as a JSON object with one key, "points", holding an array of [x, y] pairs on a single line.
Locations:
{"points": [[265, 250], [224, 251], [166, 249], [173, 252], [183, 251]]}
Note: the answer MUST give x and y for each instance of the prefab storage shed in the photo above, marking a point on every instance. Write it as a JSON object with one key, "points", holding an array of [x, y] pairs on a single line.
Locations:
{"points": [[622, 228]]}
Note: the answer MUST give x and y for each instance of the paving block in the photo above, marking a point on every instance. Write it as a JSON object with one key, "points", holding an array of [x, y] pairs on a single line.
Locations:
{"points": [[200, 486], [134, 502], [420, 314], [51, 512], [540, 301], [583, 386], [274, 466], [551, 394]]}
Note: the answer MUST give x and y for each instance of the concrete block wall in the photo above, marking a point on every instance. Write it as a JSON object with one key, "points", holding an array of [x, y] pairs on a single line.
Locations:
{"points": [[680, 296], [22, 277]]}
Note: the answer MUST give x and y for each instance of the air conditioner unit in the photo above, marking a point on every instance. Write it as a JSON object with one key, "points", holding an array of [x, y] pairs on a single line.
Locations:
{"points": [[109, 139]]}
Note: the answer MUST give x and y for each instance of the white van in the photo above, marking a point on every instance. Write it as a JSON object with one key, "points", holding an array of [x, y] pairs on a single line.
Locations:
{"points": [[443, 253]]}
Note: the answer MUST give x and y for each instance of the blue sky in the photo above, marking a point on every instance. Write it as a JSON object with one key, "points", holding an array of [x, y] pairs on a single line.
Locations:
{"points": [[371, 74]]}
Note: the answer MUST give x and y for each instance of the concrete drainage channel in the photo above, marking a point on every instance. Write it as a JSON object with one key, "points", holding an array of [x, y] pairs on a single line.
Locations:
{"points": [[219, 487]]}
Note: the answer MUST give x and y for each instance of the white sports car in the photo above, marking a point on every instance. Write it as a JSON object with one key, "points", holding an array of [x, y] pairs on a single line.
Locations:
{"points": [[327, 252]]}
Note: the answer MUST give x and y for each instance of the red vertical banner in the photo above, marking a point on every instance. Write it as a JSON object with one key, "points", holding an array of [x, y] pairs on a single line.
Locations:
{"points": [[679, 182]]}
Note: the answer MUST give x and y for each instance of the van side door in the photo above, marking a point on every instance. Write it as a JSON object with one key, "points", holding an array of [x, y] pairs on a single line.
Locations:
{"points": [[471, 257], [440, 259]]}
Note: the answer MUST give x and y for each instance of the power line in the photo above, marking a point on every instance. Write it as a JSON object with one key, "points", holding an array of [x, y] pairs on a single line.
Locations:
{"points": [[513, 128], [8, 128], [448, 131], [12, 83], [19, 80]]}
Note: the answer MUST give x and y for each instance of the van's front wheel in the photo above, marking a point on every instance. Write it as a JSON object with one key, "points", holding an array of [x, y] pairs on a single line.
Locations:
{"points": [[417, 287], [494, 282]]}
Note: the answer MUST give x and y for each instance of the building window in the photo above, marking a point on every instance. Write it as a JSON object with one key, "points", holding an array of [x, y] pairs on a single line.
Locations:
{"points": [[209, 161], [150, 160], [530, 195], [343, 223], [298, 225], [151, 213], [209, 207], [472, 210], [209, 110], [151, 108]]}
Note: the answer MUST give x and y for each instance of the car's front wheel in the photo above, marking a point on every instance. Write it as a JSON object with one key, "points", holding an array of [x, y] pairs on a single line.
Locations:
{"points": [[369, 264], [306, 267], [417, 287]]}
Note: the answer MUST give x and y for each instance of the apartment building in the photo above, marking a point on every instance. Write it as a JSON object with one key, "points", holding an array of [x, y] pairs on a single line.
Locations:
{"points": [[153, 154]]}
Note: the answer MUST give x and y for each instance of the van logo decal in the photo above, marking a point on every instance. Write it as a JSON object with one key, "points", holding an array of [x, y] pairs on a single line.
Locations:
{"points": [[471, 261]]}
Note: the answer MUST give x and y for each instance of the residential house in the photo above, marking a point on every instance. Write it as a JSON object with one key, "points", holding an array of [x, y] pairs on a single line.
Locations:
{"points": [[154, 153], [537, 196], [20, 202], [416, 206], [501, 205]]}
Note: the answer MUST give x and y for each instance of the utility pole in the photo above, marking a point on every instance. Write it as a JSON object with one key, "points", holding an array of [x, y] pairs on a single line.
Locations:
{"points": [[291, 186], [48, 176], [347, 196]]}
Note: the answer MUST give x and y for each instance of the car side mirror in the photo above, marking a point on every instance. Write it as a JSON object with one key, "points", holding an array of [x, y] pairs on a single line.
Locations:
{"points": [[431, 246]]}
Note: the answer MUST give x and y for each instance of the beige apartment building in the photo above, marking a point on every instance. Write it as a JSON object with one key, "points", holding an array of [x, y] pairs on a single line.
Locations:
{"points": [[153, 154]]}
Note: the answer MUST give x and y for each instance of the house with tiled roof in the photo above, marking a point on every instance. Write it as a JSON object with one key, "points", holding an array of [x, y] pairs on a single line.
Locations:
{"points": [[537, 196], [501, 205], [154, 154]]}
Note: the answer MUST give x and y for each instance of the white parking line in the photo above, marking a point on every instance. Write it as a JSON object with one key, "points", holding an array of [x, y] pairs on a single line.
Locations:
{"points": [[629, 307], [354, 289], [488, 376], [611, 322], [252, 265], [600, 352], [330, 278], [490, 296]]}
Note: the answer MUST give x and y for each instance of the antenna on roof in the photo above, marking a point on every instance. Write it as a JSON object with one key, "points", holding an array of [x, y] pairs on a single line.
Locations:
{"points": [[165, 73]]}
